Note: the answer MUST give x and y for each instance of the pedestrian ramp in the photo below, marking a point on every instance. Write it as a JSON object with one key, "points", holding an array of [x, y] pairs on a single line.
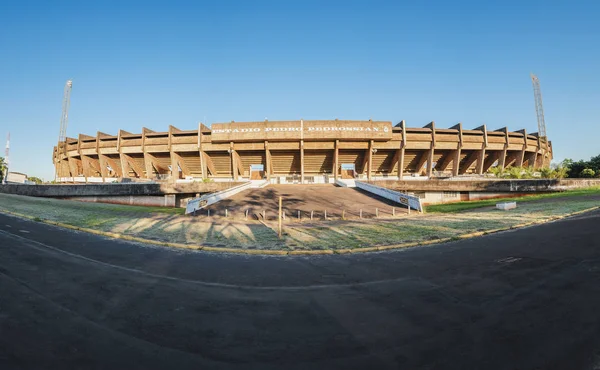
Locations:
{"points": [[345, 183], [257, 184]]}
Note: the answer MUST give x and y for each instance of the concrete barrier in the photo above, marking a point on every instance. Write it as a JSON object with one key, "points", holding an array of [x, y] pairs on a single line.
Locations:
{"points": [[208, 199], [505, 206], [395, 196]]}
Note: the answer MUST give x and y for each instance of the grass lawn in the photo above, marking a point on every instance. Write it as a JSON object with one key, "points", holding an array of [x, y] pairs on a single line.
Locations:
{"points": [[463, 206], [168, 224]]}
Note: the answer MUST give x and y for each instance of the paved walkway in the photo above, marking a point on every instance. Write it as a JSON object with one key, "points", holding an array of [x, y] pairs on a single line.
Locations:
{"points": [[307, 198]]}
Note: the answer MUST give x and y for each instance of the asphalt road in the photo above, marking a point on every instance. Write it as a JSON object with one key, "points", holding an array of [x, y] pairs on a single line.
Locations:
{"points": [[526, 299]]}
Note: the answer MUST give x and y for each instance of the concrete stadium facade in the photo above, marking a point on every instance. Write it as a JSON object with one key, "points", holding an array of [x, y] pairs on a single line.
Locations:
{"points": [[297, 152]]}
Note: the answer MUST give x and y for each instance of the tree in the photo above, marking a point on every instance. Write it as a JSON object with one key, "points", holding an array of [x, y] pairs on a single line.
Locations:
{"points": [[36, 180], [2, 168], [594, 163]]}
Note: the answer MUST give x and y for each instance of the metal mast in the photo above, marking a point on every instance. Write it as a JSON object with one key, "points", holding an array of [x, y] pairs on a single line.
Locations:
{"points": [[64, 122], [539, 108], [6, 159]]}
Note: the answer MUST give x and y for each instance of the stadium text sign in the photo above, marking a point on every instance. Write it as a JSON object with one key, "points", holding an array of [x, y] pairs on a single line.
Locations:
{"points": [[295, 130]]}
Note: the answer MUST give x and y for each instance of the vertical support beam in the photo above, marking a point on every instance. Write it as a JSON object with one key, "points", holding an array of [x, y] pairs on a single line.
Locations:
{"points": [[401, 163], [336, 160], [302, 161], [458, 153], [122, 160], [481, 153], [103, 169], [174, 166], [84, 164], [234, 164], [148, 166], [147, 161], [267, 161], [203, 168], [521, 157], [456, 162], [539, 160], [370, 160], [502, 158], [429, 172], [431, 150]]}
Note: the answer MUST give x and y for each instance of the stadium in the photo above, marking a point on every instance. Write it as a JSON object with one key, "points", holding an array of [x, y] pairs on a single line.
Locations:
{"points": [[300, 152]]}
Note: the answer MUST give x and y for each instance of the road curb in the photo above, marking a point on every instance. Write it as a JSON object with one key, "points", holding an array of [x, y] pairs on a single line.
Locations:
{"points": [[295, 252]]}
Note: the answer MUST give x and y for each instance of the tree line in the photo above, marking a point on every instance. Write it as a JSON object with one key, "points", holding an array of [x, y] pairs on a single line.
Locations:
{"points": [[581, 168]]}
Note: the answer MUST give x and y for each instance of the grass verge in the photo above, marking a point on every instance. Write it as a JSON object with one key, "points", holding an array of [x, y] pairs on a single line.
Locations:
{"points": [[464, 206], [323, 237]]}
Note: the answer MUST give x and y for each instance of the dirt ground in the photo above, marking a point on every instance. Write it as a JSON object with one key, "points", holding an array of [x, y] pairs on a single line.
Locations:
{"points": [[304, 199]]}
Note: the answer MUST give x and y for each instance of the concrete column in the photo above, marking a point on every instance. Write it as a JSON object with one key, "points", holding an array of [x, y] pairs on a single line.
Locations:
{"points": [[234, 165], [267, 161], [147, 162], [401, 162], [122, 160], [504, 153], [432, 150], [336, 163], [521, 157], [148, 166], [458, 153], [174, 168], [481, 154], [200, 153], [370, 160], [302, 161], [124, 165], [456, 162]]}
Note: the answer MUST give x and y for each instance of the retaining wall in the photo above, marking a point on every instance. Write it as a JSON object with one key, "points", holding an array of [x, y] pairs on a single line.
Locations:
{"points": [[167, 200], [118, 189], [488, 185]]}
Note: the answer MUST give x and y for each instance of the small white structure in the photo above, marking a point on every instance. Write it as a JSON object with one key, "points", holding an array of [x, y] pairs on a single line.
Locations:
{"points": [[505, 206], [16, 178]]}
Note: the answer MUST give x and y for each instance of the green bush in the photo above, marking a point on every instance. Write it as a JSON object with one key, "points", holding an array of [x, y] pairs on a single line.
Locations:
{"points": [[587, 173], [496, 171]]}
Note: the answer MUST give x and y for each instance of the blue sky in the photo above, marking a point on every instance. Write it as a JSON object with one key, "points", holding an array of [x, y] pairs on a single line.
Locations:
{"points": [[152, 64]]}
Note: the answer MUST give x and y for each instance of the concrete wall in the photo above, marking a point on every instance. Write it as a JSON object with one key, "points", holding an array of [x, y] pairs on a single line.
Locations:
{"points": [[437, 197], [136, 189], [489, 186], [169, 200]]}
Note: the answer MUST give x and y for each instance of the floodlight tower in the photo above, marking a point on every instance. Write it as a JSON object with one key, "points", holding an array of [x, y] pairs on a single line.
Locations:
{"points": [[539, 108], [64, 122]]}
